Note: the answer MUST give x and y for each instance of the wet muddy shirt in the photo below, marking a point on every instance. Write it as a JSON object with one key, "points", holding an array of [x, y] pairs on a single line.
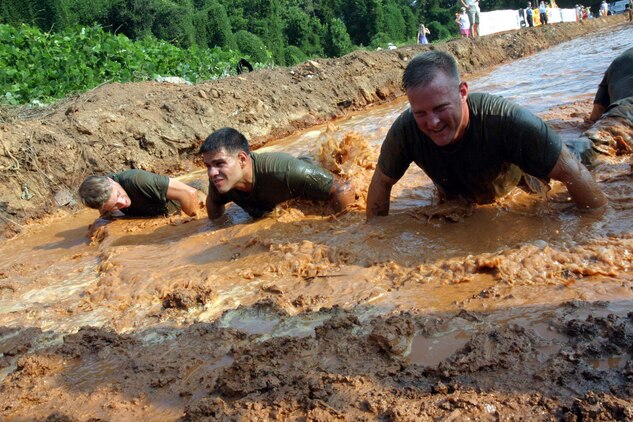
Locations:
{"points": [[148, 193], [501, 140], [617, 82], [278, 177]]}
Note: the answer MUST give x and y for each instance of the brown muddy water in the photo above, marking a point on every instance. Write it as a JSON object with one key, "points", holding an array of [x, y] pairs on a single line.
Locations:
{"points": [[518, 263]]}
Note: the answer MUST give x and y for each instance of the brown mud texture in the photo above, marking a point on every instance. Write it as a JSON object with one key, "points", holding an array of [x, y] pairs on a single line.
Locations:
{"points": [[292, 317], [159, 127]]}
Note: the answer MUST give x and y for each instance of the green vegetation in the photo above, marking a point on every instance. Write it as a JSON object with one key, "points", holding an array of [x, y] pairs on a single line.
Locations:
{"points": [[41, 66], [63, 49]]}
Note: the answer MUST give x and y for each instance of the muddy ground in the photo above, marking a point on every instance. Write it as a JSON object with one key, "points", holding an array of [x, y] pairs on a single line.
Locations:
{"points": [[303, 315], [158, 127]]}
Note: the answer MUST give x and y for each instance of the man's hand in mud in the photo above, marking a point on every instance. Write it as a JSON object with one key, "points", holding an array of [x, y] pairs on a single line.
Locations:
{"points": [[97, 231]]}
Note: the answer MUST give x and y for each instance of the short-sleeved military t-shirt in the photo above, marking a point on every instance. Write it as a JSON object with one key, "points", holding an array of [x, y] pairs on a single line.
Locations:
{"points": [[278, 177], [501, 142], [617, 82], [148, 193]]}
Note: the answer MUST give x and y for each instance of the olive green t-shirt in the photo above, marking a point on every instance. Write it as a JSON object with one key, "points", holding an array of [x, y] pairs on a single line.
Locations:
{"points": [[501, 142], [148, 193], [617, 82], [278, 177]]}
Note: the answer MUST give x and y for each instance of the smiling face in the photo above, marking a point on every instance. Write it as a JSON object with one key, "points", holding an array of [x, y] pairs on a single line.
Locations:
{"points": [[118, 199], [440, 109], [226, 170]]}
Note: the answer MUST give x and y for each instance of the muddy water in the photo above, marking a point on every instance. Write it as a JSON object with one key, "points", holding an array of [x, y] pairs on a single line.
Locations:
{"points": [[515, 260]]}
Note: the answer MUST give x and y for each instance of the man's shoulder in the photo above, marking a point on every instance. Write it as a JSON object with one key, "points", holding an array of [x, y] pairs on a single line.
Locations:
{"points": [[139, 178], [480, 103]]}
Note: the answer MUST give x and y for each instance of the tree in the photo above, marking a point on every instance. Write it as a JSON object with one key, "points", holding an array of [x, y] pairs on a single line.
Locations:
{"points": [[338, 42], [394, 24], [294, 55], [174, 23], [252, 46], [213, 28], [303, 31]]}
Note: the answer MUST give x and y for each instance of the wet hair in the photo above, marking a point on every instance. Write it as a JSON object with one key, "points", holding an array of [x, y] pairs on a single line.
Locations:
{"points": [[228, 138], [424, 67], [95, 191]]}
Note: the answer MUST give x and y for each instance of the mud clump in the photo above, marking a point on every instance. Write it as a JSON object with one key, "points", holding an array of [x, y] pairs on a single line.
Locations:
{"points": [[185, 299]]}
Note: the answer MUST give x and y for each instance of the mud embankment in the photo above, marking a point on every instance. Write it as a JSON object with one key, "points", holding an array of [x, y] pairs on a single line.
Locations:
{"points": [[159, 127]]}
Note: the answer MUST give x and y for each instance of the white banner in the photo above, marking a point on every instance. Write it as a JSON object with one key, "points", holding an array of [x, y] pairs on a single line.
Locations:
{"points": [[507, 20]]}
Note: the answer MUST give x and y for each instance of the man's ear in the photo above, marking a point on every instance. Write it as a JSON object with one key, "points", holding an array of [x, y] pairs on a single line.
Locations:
{"points": [[242, 156], [463, 90]]}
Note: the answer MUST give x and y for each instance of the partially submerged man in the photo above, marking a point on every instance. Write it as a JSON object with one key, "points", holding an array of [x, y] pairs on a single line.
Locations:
{"points": [[257, 182], [139, 193], [474, 146], [612, 113]]}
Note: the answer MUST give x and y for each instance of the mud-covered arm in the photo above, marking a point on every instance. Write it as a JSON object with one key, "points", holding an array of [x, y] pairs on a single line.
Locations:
{"points": [[379, 193], [596, 112], [342, 193], [215, 207], [602, 100], [583, 189], [185, 195]]}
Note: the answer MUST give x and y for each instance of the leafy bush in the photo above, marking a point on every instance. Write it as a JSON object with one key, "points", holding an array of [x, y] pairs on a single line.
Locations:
{"points": [[380, 40], [40, 66], [338, 40], [252, 46], [294, 55], [438, 31]]}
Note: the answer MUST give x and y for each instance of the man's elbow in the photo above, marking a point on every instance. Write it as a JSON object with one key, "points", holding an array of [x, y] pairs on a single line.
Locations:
{"points": [[343, 195]]}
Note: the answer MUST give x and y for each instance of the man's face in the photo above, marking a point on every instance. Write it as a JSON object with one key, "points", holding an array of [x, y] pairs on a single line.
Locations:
{"points": [[225, 169], [440, 109], [118, 199]]}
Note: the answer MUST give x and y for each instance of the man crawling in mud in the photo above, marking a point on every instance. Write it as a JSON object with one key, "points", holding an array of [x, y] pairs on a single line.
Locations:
{"points": [[474, 146], [612, 113], [139, 193], [257, 182]]}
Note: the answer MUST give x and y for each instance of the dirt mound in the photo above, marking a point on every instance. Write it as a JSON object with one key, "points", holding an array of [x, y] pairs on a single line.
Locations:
{"points": [[159, 126]]}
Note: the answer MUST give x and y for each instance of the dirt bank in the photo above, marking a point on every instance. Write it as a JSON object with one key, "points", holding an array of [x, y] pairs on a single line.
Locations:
{"points": [[159, 126]]}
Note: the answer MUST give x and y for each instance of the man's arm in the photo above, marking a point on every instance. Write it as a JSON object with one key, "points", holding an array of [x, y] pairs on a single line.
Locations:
{"points": [[583, 189], [215, 209], [378, 194], [596, 112], [342, 194], [185, 195]]}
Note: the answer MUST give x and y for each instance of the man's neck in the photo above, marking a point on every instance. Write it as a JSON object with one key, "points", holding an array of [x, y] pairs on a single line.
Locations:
{"points": [[247, 181]]}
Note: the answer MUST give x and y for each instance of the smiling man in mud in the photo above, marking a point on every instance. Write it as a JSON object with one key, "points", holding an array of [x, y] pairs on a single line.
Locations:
{"points": [[138, 193], [257, 182], [475, 146]]}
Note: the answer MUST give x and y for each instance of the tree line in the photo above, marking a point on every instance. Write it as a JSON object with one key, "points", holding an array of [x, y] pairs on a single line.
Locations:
{"points": [[283, 32]]}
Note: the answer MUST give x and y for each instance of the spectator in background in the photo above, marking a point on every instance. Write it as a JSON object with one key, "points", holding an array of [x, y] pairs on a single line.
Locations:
{"points": [[629, 10], [543, 13], [464, 23], [586, 12], [604, 8], [422, 31], [529, 14], [472, 7]]}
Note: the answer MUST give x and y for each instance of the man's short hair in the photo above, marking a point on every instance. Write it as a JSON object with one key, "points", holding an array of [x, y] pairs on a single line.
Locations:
{"points": [[95, 191], [228, 138], [424, 67]]}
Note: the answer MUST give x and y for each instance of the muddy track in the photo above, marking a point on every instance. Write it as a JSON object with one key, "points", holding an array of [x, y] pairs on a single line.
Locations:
{"points": [[159, 126]]}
